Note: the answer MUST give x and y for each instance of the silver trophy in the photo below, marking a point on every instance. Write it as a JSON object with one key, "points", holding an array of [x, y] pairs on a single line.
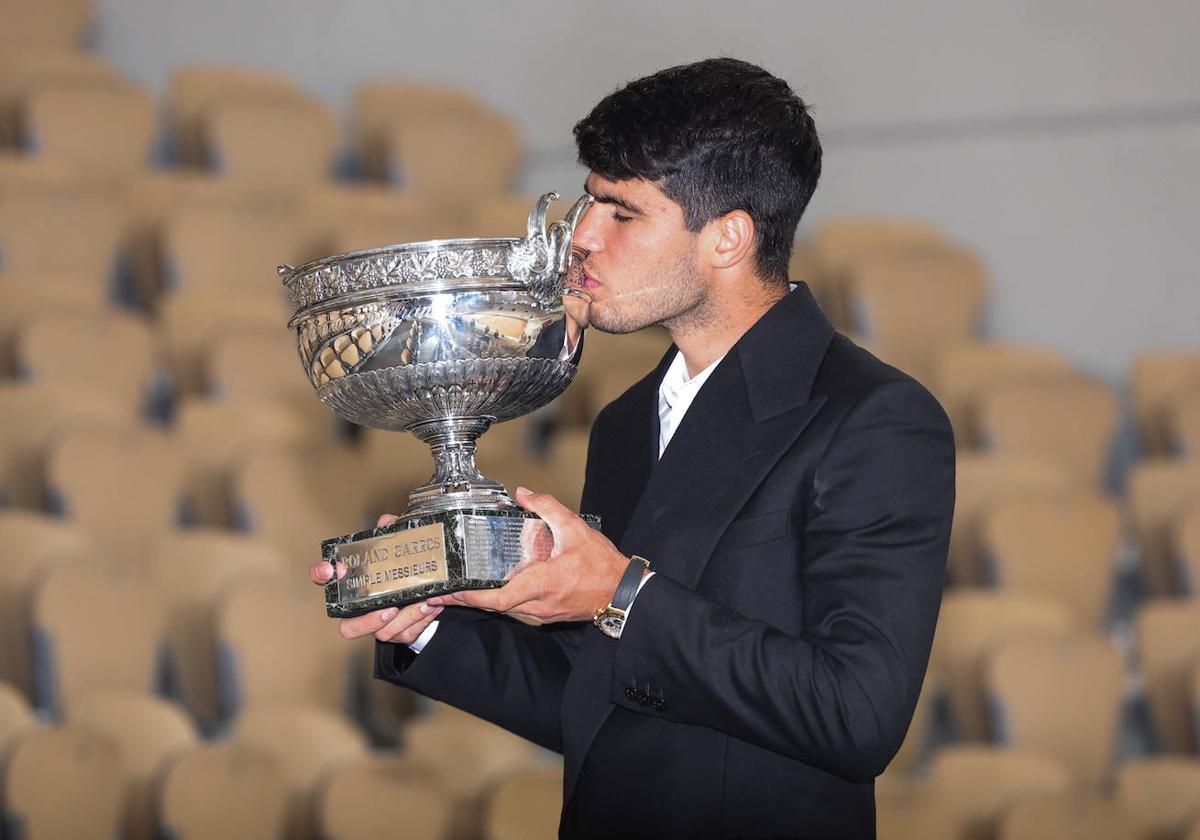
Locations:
{"points": [[441, 339]]}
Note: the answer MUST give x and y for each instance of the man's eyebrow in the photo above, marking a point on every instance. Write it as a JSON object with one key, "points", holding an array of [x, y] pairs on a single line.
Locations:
{"points": [[609, 198]]}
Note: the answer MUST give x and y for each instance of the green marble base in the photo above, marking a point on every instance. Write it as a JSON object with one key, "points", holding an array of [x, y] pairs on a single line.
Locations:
{"points": [[421, 556]]}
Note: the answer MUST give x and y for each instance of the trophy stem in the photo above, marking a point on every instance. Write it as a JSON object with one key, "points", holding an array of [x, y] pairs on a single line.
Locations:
{"points": [[456, 482]]}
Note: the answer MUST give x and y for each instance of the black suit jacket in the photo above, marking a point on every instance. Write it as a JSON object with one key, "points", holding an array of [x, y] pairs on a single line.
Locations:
{"points": [[798, 522]]}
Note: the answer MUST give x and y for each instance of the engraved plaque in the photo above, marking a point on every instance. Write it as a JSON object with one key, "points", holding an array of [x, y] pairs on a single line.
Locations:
{"points": [[406, 559]]}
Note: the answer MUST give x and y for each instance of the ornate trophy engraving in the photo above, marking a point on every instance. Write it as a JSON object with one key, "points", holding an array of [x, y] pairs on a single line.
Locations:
{"points": [[441, 339]]}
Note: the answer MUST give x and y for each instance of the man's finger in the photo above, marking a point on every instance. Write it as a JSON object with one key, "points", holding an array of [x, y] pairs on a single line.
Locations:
{"points": [[517, 591], [405, 627], [322, 572], [557, 515], [366, 624]]}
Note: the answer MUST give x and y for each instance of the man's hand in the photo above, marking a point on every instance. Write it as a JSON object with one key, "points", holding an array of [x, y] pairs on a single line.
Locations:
{"points": [[580, 576], [389, 625]]}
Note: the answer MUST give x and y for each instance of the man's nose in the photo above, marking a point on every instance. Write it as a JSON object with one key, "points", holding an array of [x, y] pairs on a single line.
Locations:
{"points": [[587, 231]]}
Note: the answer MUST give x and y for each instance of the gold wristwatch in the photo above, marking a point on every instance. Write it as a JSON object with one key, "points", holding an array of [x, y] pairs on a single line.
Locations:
{"points": [[611, 619]]}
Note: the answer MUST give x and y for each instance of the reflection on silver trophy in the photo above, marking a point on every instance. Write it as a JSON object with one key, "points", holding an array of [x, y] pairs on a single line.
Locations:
{"points": [[441, 339]]}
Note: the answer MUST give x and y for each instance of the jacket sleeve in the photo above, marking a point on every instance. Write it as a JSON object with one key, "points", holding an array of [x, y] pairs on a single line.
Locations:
{"points": [[494, 667], [840, 694]]}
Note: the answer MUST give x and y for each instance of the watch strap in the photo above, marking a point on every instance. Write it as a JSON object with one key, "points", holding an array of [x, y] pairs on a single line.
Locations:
{"points": [[627, 588]]}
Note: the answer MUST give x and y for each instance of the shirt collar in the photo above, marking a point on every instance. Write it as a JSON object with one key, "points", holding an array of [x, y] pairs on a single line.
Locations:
{"points": [[676, 383]]}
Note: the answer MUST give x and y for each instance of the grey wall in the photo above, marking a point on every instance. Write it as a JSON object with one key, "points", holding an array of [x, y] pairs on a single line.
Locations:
{"points": [[1061, 139]]}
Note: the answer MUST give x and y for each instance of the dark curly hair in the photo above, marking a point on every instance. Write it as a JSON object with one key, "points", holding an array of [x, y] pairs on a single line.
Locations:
{"points": [[715, 136]]}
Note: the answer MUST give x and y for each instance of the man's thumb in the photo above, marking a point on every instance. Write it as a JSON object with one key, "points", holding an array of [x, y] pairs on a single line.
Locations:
{"points": [[544, 505]]}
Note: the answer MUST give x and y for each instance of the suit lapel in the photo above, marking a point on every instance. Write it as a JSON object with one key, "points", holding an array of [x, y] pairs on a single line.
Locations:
{"points": [[752, 409]]}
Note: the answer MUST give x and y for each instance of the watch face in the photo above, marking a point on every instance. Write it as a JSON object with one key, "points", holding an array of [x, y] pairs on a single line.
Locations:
{"points": [[611, 624]]}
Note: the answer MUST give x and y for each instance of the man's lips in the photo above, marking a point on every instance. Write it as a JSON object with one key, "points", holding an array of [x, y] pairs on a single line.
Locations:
{"points": [[587, 281]]}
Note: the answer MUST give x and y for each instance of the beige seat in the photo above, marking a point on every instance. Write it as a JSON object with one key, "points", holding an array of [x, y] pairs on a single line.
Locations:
{"points": [[357, 217], [1160, 796], [908, 810], [1073, 816], [65, 228], [112, 351], [295, 500], [380, 103], [396, 463], [525, 805], [610, 364], [25, 66], [53, 23], [233, 250], [459, 155], [1063, 697], [1183, 424], [275, 644], [280, 144], [33, 545], [310, 745], [26, 295], [837, 242], [1065, 549], [149, 732], [84, 770], [977, 786], [971, 625], [1159, 380], [78, 610], [108, 130], [565, 466], [910, 304], [247, 784], [985, 481], [196, 88], [961, 374], [32, 416], [401, 793], [1160, 493], [217, 435], [1187, 552], [508, 214], [258, 364], [191, 322], [195, 572], [913, 750], [468, 754], [16, 717], [1074, 421], [124, 487], [1168, 645]]}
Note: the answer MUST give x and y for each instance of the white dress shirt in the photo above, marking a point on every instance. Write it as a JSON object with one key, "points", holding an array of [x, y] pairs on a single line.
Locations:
{"points": [[675, 395]]}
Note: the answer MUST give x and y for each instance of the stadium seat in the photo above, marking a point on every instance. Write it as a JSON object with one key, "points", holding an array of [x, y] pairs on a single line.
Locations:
{"points": [[105, 131], [1160, 493], [33, 545], [610, 364], [358, 217], [25, 295], [25, 66], [218, 791], [524, 805], [85, 771], [913, 749], [1073, 421], [1160, 796], [79, 609], [216, 435], [1183, 424], [310, 745], [110, 351], [457, 156], [194, 572], [402, 796], [1168, 644], [148, 732], [1187, 552], [283, 144], [983, 482], [195, 89], [1063, 697], [124, 487], [966, 371], [1077, 815], [32, 416], [16, 716], [973, 623], [912, 304], [1064, 549], [275, 644], [508, 214], [1159, 380]]}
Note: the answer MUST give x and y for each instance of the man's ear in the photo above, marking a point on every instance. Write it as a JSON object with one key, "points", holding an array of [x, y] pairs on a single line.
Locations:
{"points": [[730, 239]]}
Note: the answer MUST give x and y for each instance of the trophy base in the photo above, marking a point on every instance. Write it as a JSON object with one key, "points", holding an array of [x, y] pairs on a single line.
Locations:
{"points": [[422, 555]]}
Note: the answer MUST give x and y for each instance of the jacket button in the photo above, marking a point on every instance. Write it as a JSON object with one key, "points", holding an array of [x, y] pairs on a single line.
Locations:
{"points": [[643, 698], [631, 693], [658, 704]]}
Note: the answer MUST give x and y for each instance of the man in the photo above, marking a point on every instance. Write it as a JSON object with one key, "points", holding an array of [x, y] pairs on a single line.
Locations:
{"points": [[791, 493]]}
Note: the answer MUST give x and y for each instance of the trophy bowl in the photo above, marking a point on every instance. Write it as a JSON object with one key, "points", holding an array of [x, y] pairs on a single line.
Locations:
{"points": [[441, 339]]}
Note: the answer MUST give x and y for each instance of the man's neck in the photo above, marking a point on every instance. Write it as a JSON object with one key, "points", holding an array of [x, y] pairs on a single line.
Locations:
{"points": [[703, 344]]}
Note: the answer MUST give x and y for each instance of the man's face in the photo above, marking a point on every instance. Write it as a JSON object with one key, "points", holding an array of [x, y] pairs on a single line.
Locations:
{"points": [[641, 263]]}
